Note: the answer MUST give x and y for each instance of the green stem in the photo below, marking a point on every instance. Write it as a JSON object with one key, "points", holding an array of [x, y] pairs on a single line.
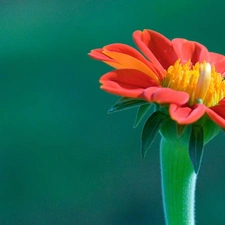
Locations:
{"points": [[178, 183]]}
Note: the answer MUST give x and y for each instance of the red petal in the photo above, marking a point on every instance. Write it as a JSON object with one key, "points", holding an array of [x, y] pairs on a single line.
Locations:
{"points": [[217, 114], [190, 50], [186, 115], [165, 96], [219, 109], [156, 47], [222, 102], [218, 61], [126, 82]]}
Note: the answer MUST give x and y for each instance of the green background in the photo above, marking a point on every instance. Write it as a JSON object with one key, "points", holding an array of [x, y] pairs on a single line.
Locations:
{"points": [[63, 160]]}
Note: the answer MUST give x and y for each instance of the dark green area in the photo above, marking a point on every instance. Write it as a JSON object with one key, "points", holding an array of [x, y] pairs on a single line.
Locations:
{"points": [[63, 159]]}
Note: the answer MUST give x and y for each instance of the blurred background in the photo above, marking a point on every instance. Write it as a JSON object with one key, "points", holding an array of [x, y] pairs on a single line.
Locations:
{"points": [[63, 160]]}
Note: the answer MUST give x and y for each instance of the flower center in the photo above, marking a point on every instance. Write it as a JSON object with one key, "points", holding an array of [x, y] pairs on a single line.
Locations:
{"points": [[200, 81]]}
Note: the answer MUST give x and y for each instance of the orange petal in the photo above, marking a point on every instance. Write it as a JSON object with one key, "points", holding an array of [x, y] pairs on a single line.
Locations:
{"points": [[166, 96], [128, 50], [126, 82], [98, 55], [156, 47], [129, 62], [186, 115], [190, 50], [125, 49]]}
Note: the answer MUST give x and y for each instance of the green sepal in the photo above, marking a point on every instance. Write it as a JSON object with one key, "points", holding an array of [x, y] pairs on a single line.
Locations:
{"points": [[180, 129], [211, 129], [126, 103], [142, 110], [196, 146], [151, 128]]}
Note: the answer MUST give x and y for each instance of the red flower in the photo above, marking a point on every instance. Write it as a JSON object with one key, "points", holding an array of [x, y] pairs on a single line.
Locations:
{"points": [[181, 74]]}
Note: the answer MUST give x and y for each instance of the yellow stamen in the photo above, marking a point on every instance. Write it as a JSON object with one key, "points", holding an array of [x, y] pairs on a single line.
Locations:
{"points": [[200, 81]]}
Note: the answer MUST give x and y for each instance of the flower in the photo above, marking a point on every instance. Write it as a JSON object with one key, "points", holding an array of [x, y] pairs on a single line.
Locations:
{"points": [[179, 74]]}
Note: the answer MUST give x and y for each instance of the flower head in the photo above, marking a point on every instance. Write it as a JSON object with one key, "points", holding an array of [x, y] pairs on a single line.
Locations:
{"points": [[179, 74]]}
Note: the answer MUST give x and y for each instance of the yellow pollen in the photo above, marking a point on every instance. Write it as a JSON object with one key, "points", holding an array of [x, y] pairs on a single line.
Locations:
{"points": [[200, 81]]}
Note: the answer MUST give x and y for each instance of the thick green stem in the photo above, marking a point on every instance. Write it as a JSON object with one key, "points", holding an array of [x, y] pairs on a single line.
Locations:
{"points": [[178, 183]]}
